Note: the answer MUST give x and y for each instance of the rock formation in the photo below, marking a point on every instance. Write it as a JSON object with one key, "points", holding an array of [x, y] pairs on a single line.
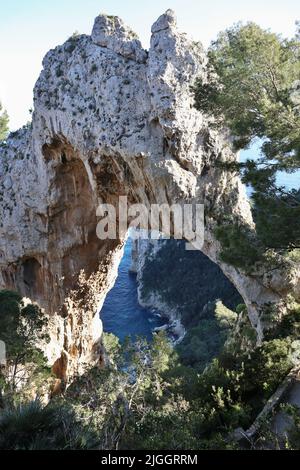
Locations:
{"points": [[110, 119], [180, 284]]}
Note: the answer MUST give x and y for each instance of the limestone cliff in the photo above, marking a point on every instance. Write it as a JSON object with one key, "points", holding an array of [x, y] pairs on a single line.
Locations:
{"points": [[110, 119]]}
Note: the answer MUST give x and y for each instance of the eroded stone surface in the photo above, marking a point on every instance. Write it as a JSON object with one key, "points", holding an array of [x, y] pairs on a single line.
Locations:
{"points": [[110, 119]]}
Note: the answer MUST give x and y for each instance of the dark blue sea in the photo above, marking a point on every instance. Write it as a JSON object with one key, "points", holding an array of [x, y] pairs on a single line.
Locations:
{"points": [[121, 313]]}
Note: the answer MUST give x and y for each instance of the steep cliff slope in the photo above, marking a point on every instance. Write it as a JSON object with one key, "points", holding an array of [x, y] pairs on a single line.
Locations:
{"points": [[110, 119]]}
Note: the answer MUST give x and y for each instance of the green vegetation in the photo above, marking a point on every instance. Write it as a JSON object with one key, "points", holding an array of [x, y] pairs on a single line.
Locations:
{"points": [[33, 426], [190, 283], [240, 246], [146, 398], [94, 68], [22, 328], [187, 281], [72, 42], [253, 89], [154, 396], [293, 442], [3, 123], [206, 340]]}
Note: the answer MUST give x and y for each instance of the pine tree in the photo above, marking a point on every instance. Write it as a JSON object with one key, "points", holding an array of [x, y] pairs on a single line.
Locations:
{"points": [[253, 88]]}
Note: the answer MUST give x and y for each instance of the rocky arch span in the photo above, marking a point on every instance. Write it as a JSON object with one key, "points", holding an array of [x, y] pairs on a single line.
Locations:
{"points": [[110, 119]]}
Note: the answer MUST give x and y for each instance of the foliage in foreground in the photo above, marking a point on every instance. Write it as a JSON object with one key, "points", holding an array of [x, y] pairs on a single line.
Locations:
{"points": [[33, 426], [22, 327], [146, 399]]}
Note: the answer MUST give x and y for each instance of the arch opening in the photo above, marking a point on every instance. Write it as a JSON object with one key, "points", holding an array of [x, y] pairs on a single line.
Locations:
{"points": [[178, 291]]}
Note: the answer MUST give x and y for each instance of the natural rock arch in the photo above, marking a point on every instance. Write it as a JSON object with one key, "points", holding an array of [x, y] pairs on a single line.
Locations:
{"points": [[110, 119]]}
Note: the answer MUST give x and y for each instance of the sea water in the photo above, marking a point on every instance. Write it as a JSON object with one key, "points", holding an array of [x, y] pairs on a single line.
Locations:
{"points": [[121, 313]]}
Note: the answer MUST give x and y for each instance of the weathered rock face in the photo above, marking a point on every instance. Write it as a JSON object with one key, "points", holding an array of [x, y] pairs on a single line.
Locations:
{"points": [[109, 119]]}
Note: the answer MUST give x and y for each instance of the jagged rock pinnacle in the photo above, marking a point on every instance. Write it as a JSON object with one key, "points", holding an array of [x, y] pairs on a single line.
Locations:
{"points": [[111, 32], [108, 121], [165, 21]]}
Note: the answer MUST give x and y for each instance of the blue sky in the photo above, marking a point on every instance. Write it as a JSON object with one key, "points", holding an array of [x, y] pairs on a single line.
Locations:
{"points": [[29, 28]]}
